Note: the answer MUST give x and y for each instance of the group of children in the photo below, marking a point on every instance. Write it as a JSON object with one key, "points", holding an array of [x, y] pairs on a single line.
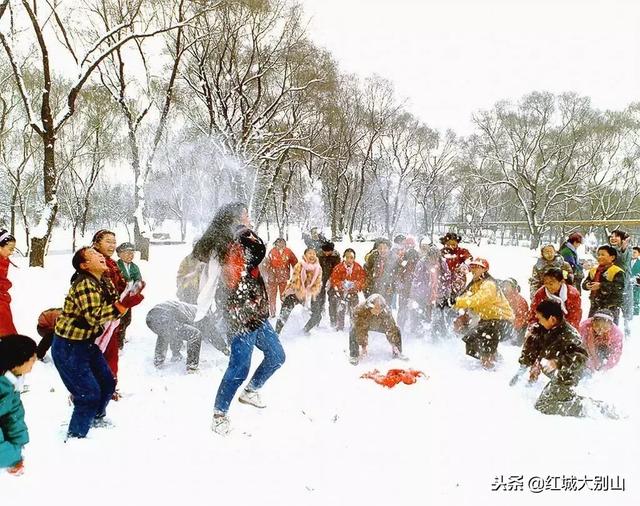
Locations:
{"points": [[224, 299], [85, 336]]}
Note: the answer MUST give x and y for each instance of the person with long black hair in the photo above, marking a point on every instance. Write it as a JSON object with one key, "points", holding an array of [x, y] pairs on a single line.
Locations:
{"points": [[234, 284]]}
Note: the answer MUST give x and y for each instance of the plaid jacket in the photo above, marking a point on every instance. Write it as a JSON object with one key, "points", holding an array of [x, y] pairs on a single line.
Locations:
{"points": [[87, 307]]}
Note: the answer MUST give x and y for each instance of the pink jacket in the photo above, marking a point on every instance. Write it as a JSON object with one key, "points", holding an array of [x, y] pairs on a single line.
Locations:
{"points": [[611, 342]]}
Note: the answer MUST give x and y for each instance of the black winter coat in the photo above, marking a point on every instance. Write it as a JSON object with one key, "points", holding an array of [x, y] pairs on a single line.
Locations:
{"points": [[242, 295], [563, 344]]}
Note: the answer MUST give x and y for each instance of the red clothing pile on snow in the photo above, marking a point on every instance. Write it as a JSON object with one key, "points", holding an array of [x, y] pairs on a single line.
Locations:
{"points": [[394, 376]]}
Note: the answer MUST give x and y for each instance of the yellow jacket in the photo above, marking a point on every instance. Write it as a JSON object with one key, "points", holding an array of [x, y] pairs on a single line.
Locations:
{"points": [[483, 298]]}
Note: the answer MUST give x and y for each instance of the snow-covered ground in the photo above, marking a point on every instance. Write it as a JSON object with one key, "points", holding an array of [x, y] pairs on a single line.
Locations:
{"points": [[327, 437]]}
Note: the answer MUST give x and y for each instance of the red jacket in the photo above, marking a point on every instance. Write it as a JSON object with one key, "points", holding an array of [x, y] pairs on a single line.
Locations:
{"points": [[6, 319], [5, 284], [573, 305], [339, 275], [455, 258], [520, 309], [278, 265], [611, 342]]}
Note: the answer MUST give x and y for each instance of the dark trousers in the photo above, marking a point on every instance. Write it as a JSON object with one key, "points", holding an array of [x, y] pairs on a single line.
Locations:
{"points": [[125, 321], [342, 305], [44, 345], [289, 302], [84, 371], [560, 399], [172, 333], [482, 340], [403, 310], [418, 318]]}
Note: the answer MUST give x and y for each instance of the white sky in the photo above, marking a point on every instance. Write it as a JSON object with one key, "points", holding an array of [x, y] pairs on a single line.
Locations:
{"points": [[450, 58]]}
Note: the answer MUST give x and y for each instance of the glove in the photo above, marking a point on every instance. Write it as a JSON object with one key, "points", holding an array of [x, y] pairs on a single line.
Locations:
{"points": [[17, 470], [131, 299]]}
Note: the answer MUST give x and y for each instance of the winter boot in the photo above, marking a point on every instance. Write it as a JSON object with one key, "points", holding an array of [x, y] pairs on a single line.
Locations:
{"points": [[251, 397], [353, 360]]}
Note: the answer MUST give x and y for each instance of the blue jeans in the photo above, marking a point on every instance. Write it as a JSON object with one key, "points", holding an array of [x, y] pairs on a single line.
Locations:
{"points": [[266, 340], [85, 373]]}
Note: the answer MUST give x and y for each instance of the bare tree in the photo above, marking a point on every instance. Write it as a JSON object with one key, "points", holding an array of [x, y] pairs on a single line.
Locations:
{"points": [[541, 159], [48, 123]]}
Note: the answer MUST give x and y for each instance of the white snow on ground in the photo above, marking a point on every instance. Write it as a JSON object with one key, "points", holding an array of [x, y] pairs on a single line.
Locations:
{"points": [[327, 437]]}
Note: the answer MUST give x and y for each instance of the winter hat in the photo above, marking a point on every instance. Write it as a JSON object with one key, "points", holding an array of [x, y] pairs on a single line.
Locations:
{"points": [[15, 350], [125, 246], [450, 236], [480, 262], [399, 239], [603, 314]]}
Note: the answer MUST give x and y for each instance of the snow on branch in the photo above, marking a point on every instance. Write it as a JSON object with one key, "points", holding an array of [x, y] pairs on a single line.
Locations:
{"points": [[22, 88]]}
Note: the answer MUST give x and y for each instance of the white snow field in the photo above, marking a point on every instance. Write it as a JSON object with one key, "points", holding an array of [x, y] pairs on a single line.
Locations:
{"points": [[327, 437]]}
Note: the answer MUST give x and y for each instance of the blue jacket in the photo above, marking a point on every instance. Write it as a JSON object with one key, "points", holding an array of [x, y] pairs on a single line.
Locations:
{"points": [[13, 430]]}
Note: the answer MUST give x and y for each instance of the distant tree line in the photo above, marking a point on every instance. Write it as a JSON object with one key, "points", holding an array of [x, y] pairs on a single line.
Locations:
{"points": [[136, 111]]}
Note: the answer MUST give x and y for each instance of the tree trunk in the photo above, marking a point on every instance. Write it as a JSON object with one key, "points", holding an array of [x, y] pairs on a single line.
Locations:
{"points": [[39, 244]]}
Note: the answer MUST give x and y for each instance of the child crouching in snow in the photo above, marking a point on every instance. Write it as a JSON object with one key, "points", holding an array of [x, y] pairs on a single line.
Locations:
{"points": [[17, 356]]}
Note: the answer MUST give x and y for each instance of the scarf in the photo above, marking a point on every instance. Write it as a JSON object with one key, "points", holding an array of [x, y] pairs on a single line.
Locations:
{"points": [[561, 297], [317, 270], [348, 269]]}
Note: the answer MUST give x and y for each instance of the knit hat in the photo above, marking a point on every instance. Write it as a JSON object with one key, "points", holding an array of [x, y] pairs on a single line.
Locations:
{"points": [[15, 350]]}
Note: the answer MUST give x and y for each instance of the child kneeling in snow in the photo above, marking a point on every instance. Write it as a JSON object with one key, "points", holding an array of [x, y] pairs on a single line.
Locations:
{"points": [[373, 315], [17, 356]]}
